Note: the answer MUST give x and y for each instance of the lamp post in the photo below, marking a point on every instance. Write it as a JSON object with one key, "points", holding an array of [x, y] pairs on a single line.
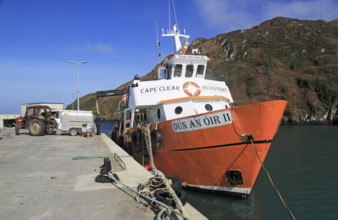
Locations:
{"points": [[78, 80]]}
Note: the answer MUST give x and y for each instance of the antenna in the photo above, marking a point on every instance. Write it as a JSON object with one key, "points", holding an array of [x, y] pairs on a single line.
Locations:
{"points": [[169, 15], [175, 33], [175, 14]]}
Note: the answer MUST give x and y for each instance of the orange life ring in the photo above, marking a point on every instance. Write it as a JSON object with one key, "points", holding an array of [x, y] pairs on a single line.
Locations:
{"points": [[124, 98], [191, 89]]}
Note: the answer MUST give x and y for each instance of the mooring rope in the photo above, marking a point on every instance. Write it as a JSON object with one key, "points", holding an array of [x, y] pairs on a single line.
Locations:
{"points": [[250, 137], [179, 206]]}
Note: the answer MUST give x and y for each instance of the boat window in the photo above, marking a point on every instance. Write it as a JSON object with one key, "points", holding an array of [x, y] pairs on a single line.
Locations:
{"points": [[200, 71], [178, 70], [158, 114], [178, 110], [189, 70], [162, 73], [208, 107]]}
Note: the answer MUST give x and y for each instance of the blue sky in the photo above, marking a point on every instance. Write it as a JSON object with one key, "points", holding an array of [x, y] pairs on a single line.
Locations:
{"points": [[116, 37]]}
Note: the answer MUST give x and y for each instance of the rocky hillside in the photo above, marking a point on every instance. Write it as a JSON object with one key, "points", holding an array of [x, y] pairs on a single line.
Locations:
{"points": [[283, 58]]}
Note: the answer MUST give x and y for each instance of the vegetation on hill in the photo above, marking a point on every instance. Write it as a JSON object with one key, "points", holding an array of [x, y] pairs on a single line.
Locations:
{"points": [[282, 58]]}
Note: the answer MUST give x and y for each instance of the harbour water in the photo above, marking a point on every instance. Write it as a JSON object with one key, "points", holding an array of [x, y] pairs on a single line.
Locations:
{"points": [[303, 163]]}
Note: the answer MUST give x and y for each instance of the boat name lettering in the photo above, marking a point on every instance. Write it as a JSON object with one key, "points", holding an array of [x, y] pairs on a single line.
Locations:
{"points": [[159, 89], [215, 88], [202, 122]]}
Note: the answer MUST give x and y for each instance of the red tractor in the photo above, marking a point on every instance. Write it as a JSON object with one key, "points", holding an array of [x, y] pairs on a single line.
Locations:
{"points": [[38, 119]]}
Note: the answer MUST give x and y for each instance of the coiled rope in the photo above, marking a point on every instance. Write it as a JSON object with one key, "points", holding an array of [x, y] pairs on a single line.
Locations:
{"points": [[159, 174], [164, 211]]}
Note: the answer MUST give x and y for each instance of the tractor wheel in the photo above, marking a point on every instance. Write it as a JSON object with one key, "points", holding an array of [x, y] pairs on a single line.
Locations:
{"points": [[36, 127], [50, 128]]}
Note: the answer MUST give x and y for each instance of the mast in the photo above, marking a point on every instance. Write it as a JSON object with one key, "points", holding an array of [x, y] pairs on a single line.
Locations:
{"points": [[175, 33]]}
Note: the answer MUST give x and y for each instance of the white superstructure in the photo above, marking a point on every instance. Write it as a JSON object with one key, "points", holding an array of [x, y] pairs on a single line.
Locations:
{"points": [[181, 90]]}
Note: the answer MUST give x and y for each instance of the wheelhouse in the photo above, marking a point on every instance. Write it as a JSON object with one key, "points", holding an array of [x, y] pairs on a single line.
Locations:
{"points": [[184, 66]]}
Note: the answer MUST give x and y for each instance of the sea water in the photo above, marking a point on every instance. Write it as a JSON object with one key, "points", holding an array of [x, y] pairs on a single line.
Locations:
{"points": [[303, 164]]}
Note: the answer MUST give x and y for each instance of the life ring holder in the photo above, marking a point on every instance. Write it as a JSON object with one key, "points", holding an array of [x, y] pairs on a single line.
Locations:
{"points": [[191, 89]]}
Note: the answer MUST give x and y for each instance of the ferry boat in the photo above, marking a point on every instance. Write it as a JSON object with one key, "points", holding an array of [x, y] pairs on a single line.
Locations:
{"points": [[198, 133]]}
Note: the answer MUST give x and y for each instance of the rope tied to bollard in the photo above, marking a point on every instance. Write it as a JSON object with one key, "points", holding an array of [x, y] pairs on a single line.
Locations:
{"points": [[160, 175]]}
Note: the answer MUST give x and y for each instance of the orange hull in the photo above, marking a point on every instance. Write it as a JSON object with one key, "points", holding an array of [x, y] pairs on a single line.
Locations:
{"points": [[202, 155]]}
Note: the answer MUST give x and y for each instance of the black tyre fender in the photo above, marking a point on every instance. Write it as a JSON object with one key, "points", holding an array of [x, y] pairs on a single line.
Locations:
{"points": [[120, 141], [137, 141], [182, 196], [145, 150], [176, 184], [128, 148], [164, 197], [156, 142], [156, 139]]}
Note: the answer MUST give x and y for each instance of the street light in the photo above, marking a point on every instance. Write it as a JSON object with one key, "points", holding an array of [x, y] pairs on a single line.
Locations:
{"points": [[78, 80]]}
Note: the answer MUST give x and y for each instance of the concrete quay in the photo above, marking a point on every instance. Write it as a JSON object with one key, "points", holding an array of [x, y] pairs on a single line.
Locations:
{"points": [[53, 177]]}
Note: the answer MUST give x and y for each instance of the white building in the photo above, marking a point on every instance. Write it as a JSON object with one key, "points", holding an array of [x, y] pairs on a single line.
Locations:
{"points": [[7, 120]]}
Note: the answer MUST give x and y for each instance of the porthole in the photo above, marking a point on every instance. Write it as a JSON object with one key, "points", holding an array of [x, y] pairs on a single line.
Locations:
{"points": [[208, 107], [178, 110]]}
